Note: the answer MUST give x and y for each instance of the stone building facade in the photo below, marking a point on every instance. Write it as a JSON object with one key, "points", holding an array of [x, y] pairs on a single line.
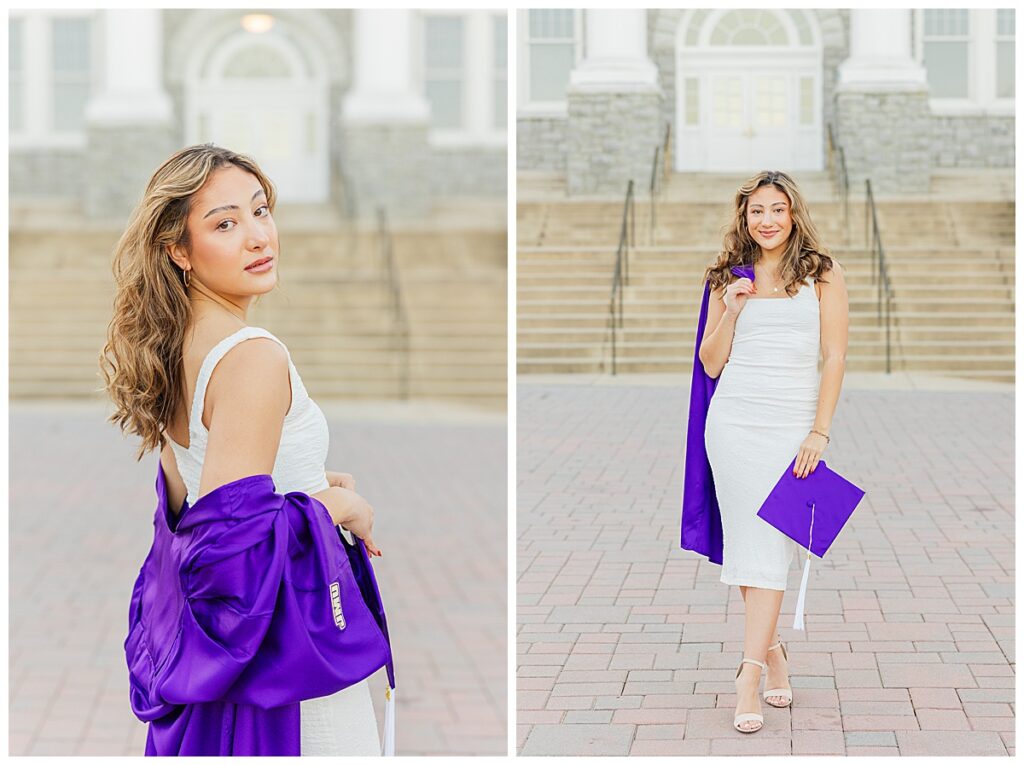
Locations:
{"points": [[348, 107], [904, 92]]}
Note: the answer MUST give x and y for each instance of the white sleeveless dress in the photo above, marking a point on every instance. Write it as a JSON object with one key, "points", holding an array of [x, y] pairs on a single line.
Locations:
{"points": [[762, 410], [344, 722]]}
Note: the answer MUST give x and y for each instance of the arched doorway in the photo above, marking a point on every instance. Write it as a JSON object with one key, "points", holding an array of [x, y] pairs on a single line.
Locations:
{"points": [[748, 91], [262, 94]]}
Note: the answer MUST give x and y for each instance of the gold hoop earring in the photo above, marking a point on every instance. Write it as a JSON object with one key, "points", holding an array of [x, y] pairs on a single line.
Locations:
{"points": [[186, 278]]}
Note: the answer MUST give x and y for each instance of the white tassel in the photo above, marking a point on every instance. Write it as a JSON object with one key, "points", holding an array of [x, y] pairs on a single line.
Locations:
{"points": [[389, 723], [798, 617]]}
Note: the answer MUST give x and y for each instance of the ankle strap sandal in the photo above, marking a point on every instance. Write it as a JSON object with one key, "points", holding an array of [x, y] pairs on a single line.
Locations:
{"points": [[738, 720], [786, 693]]}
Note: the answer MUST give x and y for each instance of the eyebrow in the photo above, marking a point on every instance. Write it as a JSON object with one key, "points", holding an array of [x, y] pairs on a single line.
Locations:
{"points": [[232, 207]]}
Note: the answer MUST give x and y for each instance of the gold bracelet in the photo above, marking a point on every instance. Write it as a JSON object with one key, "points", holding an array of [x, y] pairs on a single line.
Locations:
{"points": [[827, 439]]}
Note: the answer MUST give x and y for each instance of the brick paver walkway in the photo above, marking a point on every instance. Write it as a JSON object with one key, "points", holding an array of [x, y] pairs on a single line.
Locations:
{"points": [[81, 522], [627, 644]]}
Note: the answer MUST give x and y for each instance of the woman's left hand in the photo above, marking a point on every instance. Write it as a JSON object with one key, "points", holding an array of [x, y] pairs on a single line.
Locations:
{"points": [[809, 455], [344, 480]]}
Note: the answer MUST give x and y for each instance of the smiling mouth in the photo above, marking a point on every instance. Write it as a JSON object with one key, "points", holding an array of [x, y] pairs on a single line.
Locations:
{"points": [[258, 263]]}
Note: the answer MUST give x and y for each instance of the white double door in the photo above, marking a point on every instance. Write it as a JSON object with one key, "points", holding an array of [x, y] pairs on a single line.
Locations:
{"points": [[285, 132], [753, 118]]}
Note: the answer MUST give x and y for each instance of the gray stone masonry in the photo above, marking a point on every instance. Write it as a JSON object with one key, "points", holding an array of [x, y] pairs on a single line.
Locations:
{"points": [[886, 136], [387, 164], [50, 174], [469, 171], [611, 138], [541, 143], [974, 141], [118, 164]]}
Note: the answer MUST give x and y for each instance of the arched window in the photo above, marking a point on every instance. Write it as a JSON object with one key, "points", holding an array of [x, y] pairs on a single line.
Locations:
{"points": [[746, 27], [256, 62]]}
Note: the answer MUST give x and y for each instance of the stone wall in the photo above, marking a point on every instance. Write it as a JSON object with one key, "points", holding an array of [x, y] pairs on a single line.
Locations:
{"points": [[973, 141], [886, 136], [611, 138], [46, 174], [119, 164], [541, 143], [469, 171], [387, 164]]}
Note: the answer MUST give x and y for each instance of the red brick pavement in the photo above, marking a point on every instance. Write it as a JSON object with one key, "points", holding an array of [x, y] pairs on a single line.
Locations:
{"points": [[628, 645], [81, 521]]}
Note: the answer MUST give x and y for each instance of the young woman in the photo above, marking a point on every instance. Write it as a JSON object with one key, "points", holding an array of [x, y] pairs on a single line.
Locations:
{"points": [[219, 398], [759, 346]]}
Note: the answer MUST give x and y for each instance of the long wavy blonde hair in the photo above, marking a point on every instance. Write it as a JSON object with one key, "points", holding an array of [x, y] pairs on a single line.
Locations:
{"points": [[142, 362], [804, 255]]}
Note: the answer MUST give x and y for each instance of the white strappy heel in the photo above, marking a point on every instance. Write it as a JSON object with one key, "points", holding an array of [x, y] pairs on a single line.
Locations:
{"points": [[786, 693], [749, 716]]}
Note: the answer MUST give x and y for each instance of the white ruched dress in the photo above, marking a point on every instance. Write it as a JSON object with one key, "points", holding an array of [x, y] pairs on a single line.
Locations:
{"points": [[762, 409], [344, 722]]}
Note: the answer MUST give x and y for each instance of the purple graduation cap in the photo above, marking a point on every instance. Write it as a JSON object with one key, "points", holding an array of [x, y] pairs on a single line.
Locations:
{"points": [[811, 511], [701, 526]]}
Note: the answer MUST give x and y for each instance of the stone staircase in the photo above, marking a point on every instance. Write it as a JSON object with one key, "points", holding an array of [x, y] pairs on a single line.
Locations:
{"points": [[951, 266], [332, 308]]}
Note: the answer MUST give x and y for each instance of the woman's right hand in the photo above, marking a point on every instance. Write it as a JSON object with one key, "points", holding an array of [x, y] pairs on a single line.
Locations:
{"points": [[351, 511], [736, 295]]}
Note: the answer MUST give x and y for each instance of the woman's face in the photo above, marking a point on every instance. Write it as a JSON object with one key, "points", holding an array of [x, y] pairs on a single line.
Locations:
{"points": [[234, 240], [768, 218]]}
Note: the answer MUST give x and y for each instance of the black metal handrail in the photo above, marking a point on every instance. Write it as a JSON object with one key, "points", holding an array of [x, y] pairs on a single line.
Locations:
{"points": [[840, 177], [659, 169], [399, 319], [627, 239], [879, 271]]}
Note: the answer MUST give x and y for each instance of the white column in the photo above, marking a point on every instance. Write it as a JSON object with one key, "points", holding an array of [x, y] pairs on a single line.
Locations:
{"points": [[880, 52], [383, 89], [616, 51], [132, 90]]}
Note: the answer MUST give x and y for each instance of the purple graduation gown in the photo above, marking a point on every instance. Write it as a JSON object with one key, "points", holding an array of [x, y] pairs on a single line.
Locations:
{"points": [[233, 621], [702, 520]]}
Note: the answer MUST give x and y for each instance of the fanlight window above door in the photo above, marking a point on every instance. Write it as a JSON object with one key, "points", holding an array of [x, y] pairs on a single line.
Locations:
{"points": [[256, 62], [749, 27]]}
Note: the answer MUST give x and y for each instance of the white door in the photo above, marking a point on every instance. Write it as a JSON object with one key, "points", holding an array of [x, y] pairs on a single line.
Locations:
{"points": [[750, 119], [260, 99]]}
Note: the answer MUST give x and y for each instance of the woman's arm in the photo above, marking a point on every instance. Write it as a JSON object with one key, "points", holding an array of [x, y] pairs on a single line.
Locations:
{"points": [[248, 397], [834, 311], [719, 329], [176, 489], [834, 316]]}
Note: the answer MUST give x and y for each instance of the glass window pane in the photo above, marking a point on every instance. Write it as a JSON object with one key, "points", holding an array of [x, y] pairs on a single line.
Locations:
{"points": [[69, 106], [749, 28], [771, 103], [1005, 22], [71, 45], [1004, 69], [806, 100], [15, 30], [945, 23], [500, 96], [728, 102], [946, 63], [444, 42], [445, 99], [15, 88], [692, 101], [551, 23], [500, 103], [256, 62], [550, 65]]}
